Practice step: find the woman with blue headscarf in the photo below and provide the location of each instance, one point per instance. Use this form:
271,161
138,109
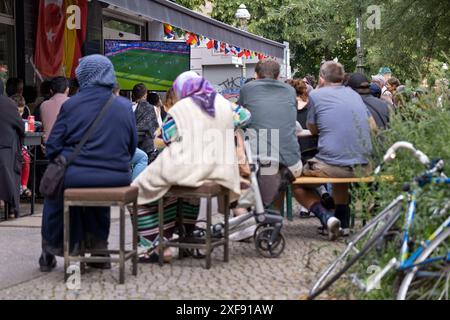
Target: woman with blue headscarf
104,161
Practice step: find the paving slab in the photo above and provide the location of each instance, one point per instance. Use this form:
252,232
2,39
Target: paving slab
246,276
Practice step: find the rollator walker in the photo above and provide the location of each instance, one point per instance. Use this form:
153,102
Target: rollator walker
268,239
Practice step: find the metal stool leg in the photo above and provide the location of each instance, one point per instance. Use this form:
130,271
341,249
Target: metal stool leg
135,238
66,240
122,246
83,254
289,203
208,232
226,246
161,230
181,227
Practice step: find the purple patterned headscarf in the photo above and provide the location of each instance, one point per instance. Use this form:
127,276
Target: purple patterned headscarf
190,84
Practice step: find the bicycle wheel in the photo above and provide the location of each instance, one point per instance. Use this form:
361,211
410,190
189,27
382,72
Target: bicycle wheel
431,281
366,239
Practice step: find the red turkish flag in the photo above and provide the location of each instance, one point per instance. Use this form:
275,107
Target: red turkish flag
50,37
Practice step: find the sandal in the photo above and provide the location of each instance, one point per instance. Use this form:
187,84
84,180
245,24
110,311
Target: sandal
154,257
149,252
27,193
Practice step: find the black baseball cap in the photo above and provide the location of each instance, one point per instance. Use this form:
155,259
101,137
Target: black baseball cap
359,82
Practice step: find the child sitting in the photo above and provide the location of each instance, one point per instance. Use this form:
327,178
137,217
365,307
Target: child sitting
25,176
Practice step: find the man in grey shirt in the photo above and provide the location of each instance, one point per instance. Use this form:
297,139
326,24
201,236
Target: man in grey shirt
273,106
339,116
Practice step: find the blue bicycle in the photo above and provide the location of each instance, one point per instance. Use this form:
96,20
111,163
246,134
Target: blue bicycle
427,269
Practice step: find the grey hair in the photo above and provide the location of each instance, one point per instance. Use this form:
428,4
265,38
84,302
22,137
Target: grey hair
332,72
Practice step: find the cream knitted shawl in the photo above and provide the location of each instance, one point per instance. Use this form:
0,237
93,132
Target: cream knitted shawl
204,152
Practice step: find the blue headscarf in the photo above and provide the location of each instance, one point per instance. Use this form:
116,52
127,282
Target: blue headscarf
95,70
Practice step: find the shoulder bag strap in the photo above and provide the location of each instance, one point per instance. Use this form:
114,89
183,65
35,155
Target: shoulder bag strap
91,129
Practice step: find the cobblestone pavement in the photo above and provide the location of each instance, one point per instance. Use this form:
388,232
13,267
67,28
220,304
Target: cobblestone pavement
246,276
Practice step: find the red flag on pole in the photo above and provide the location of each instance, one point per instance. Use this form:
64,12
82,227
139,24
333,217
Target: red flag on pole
61,33
50,37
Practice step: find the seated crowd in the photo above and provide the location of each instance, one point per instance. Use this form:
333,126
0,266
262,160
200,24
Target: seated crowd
189,139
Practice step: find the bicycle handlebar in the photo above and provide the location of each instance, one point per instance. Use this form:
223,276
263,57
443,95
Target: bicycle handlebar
391,153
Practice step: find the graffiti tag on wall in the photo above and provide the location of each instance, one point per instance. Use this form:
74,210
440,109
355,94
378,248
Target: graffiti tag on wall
231,87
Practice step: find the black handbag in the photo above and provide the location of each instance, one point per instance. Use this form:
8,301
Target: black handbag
52,182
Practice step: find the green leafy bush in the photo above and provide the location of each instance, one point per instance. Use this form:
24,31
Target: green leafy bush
425,122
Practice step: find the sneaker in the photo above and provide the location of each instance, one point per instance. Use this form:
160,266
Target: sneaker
345,232
47,262
304,214
333,226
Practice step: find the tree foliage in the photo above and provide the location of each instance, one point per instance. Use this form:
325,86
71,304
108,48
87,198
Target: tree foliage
416,121
313,28
191,4
412,34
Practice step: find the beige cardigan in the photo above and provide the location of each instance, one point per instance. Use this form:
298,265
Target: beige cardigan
204,152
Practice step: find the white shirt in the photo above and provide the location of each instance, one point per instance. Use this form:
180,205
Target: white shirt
158,116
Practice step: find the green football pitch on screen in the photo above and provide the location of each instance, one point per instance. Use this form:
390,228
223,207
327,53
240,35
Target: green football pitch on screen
157,70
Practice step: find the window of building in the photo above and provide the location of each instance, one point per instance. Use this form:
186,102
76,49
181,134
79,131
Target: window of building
7,7
6,51
124,28
7,39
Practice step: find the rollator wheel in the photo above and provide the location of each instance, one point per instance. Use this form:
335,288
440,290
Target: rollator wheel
259,229
263,246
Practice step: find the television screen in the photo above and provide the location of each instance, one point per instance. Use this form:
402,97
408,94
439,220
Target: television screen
154,63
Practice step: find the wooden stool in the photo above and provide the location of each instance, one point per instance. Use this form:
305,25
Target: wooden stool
102,197
208,191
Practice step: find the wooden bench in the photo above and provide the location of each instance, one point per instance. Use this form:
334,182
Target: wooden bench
315,180
321,181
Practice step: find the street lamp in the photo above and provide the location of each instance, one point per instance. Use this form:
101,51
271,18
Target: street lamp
243,16
360,67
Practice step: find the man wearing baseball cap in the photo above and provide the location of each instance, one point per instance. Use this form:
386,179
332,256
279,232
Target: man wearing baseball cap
378,108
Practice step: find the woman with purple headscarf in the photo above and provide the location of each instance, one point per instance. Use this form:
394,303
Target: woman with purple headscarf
198,140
